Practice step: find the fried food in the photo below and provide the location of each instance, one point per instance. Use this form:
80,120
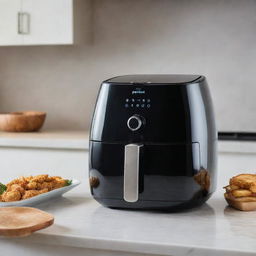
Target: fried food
27,187
246,181
30,193
39,178
11,196
47,185
241,191
31,185
17,187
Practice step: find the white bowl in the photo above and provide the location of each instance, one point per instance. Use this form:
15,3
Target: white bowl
42,197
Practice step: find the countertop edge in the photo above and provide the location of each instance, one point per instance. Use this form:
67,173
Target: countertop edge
76,144
52,139
128,246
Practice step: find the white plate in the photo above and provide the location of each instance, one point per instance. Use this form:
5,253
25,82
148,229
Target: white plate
43,197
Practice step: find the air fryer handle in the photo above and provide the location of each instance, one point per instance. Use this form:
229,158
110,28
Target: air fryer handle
131,172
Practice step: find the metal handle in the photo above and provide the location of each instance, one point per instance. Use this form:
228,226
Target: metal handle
131,172
19,22
23,23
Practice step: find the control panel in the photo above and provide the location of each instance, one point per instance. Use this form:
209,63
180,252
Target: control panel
137,103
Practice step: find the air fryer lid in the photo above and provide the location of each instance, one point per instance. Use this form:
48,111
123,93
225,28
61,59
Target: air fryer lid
154,79
145,108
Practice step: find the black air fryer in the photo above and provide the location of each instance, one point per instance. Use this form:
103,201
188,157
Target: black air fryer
153,142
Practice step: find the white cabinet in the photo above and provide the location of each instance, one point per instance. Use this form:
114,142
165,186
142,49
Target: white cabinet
43,22
50,21
9,10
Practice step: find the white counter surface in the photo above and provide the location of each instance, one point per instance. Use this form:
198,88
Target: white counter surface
61,139
213,229
237,146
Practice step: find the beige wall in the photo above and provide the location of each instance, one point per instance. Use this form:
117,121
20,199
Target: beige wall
213,38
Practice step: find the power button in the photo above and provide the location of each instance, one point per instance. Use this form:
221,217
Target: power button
135,122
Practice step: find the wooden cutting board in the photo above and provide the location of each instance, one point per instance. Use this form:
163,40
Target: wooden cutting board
23,221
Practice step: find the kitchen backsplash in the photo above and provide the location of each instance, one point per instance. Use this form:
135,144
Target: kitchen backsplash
214,38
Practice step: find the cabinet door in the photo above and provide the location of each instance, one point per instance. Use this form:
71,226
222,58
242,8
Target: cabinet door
9,34
50,21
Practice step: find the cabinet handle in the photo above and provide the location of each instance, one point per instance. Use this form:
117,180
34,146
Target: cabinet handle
23,23
19,22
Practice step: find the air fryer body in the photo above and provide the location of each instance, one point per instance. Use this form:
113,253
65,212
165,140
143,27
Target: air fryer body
153,142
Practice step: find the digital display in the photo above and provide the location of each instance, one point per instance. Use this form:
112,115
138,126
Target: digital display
137,103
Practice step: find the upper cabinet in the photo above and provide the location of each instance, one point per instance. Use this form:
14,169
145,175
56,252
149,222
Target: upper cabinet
9,34
47,21
44,22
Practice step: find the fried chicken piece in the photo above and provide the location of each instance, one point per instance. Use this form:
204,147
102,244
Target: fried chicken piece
33,192
45,190
20,181
59,183
245,181
30,193
32,185
11,196
53,178
48,185
17,187
57,178
29,178
40,178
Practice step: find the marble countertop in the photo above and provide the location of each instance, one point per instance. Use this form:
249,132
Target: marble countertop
213,229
